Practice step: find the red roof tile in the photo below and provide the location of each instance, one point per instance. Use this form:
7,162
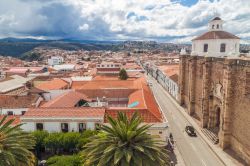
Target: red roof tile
7,101
170,70
53,84
64,112
68,99
216,35
145,114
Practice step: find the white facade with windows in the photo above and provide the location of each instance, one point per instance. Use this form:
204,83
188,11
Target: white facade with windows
55,60
53,125
12,111
216,42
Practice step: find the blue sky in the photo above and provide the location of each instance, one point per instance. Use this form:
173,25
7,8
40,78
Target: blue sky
187,2
161,20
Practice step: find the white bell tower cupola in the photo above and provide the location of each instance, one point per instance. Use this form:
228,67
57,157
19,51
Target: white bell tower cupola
216,24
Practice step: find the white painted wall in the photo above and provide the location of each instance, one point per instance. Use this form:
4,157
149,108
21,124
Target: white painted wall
232,47
54,93
56,60
28,126
16,111
56,126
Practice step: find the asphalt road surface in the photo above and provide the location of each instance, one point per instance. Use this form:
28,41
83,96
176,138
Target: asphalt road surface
194,151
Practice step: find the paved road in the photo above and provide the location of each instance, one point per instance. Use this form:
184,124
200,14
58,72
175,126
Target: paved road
194,151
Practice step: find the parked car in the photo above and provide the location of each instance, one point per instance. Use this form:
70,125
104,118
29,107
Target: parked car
190,131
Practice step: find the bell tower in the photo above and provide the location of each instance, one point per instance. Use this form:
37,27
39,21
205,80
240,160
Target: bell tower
216,24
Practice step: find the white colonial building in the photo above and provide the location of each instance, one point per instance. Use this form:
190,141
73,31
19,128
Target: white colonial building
62,120
108,68
216,42
55,60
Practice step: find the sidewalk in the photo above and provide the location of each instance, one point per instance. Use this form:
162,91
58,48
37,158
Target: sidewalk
223,156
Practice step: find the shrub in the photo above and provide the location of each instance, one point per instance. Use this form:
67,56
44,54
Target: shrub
70,140
123,74
54,142
39,137
73,160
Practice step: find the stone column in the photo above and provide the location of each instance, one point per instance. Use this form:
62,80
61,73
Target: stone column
192,78
181,80
224,133
206,86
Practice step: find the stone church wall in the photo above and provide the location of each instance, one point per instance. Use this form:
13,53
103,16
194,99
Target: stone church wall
207,83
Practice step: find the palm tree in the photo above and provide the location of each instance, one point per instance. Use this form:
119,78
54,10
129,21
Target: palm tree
125,143
15,145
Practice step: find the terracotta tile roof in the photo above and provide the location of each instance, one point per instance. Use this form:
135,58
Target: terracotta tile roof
170,70
9,117
104,77
7,101
109,84
108,93
216,35
68,99
145,114
54,84
174,77
108,69
150,101
131,66
138,97
80,112
135,90
24,69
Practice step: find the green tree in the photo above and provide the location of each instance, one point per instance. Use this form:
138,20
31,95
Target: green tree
123,74
86,137
39,137
54,142
125,143
73,160
70,141
15,145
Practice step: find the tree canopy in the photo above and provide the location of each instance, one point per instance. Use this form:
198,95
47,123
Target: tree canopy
15,145
125,142
123,74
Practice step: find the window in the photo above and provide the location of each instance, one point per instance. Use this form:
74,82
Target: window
23,112
10,112
39,126
97,126
82,127
64,127
223,47
205,47
212,26
218,26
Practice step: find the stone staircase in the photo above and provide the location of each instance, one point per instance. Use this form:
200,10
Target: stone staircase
211,135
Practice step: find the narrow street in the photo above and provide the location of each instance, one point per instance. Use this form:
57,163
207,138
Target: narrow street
194,151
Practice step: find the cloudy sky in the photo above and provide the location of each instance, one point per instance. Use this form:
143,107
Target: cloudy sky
160,20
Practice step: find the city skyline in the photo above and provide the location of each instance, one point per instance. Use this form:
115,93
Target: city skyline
162,20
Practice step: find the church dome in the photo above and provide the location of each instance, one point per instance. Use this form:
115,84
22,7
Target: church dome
216,18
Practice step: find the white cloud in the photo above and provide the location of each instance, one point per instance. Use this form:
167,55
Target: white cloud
84,27
121,19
